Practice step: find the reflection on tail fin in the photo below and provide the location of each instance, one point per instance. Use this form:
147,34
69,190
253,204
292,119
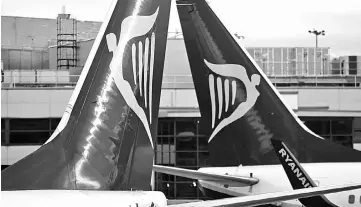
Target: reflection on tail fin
240,108
297,176
107,141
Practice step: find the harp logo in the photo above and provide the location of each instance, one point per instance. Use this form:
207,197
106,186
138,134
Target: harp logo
143,74
226,87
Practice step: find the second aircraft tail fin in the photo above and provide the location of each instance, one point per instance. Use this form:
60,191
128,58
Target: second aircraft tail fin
240,108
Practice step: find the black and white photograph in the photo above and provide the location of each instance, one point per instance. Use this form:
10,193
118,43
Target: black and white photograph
181,103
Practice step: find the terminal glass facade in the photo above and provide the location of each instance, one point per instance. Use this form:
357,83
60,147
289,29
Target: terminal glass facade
179,144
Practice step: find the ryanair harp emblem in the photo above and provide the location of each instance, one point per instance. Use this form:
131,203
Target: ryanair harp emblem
216,83
145,64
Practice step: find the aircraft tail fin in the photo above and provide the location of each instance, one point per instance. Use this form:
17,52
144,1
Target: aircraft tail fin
297,176
240,108
107,140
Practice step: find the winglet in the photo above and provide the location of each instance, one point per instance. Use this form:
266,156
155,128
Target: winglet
297,176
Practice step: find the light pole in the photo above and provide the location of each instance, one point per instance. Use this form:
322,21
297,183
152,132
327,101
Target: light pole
316,33
32,50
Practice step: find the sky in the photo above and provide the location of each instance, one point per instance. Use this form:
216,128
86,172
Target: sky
263,23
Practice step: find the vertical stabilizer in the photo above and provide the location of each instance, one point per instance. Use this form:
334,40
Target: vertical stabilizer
107,141
240,108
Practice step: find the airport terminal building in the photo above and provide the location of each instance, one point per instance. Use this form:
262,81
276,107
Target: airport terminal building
42,60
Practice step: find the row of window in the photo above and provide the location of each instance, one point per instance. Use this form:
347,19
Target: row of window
327,126
37,131
184,159
338,130
179,143
27,131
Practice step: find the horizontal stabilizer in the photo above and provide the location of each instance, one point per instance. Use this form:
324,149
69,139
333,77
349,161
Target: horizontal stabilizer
234,181
267,198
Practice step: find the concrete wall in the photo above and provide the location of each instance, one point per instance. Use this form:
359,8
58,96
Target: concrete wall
19,31
27,34
15,31
24,58
51,102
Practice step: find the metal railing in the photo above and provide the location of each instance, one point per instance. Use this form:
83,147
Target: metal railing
308,68
47,78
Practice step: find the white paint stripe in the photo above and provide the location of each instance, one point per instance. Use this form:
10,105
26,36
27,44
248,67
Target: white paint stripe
134,62
152,50
226,94
234,88
212,94
140,76
146,58
220,96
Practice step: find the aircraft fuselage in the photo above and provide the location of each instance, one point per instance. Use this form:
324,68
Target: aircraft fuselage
272,178
87,198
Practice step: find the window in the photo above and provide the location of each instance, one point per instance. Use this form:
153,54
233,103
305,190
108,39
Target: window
165,177
186,159
31,131
165,127
166,158
180,145
3,167
202,143
3,132
29,124
342,126
2,124
186,190
183,179
320,126
165,144
203,159
351,199
343,140
186,143
54,123
336,129
186,128
29,137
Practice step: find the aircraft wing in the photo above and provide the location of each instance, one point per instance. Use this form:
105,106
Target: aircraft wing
230,180
267,198
298,176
